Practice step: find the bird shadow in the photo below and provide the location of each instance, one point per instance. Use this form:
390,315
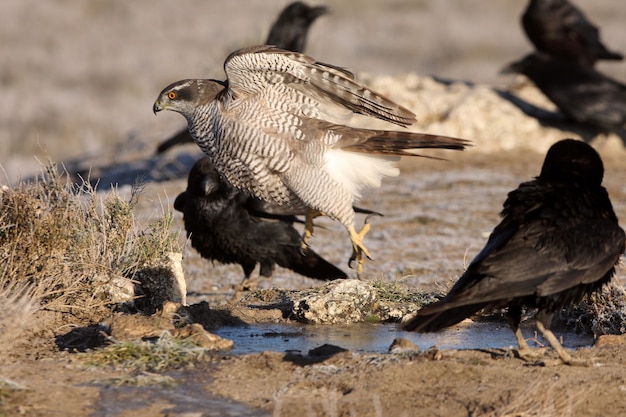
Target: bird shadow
211,318
144,170
129,163
281,301
556,120
314,356
84,339
450,81
546,118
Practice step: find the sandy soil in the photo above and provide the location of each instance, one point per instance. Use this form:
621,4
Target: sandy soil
432,383
455,383
80,80
445,383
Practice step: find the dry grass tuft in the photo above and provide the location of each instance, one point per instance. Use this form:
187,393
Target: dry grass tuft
141,379
16,316
539,400
601,313
145,356
63,245
396,292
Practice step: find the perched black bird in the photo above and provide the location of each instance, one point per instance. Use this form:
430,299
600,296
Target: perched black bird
227,226
560,29
581,93
558,240
288,32
292,26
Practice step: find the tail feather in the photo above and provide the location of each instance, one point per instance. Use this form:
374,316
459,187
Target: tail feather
391,142
180,138
312,265
425,322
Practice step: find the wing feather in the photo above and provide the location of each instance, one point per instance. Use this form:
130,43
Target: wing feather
251,70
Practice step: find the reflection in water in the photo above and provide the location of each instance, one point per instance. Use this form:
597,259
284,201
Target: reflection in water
376,338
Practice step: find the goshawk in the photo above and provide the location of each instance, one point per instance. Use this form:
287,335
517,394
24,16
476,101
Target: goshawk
277,129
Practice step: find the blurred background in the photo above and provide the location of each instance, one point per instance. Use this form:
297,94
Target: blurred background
79,77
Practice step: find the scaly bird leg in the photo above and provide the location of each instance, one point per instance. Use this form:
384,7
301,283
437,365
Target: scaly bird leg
515,318
358,249
308,226
524,351
566,358
521,342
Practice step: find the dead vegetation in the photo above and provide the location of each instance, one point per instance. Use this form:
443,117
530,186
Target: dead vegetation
601,313
167,352
393,291
538,400
66,248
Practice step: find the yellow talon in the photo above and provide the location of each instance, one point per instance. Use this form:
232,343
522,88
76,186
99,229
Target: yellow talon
308,226
358,248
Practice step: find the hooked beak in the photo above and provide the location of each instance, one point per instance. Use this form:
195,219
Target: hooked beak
320,11
512,68
156,107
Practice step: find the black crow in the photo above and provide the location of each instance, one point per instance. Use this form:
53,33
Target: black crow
558,240
292,26
227,226
288,32
581,93
560,29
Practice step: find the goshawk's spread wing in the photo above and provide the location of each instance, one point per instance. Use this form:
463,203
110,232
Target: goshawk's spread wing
312,89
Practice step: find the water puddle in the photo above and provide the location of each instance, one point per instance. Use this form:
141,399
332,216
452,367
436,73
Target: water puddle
376,338
187,396
184,398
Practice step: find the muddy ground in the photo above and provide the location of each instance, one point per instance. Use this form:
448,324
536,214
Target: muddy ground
469,189
79,84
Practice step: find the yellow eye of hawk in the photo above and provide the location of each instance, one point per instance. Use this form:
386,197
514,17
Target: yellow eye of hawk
172,95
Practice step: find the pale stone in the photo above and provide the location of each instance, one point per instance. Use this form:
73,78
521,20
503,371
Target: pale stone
341,301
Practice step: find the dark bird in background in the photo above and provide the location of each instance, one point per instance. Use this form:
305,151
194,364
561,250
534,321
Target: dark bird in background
279,129
558,240
561,30
288,32
292,26
227,226
581,93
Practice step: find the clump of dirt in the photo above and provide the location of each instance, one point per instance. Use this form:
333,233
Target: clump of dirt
431,383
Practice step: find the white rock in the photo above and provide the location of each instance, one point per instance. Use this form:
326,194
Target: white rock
341,301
